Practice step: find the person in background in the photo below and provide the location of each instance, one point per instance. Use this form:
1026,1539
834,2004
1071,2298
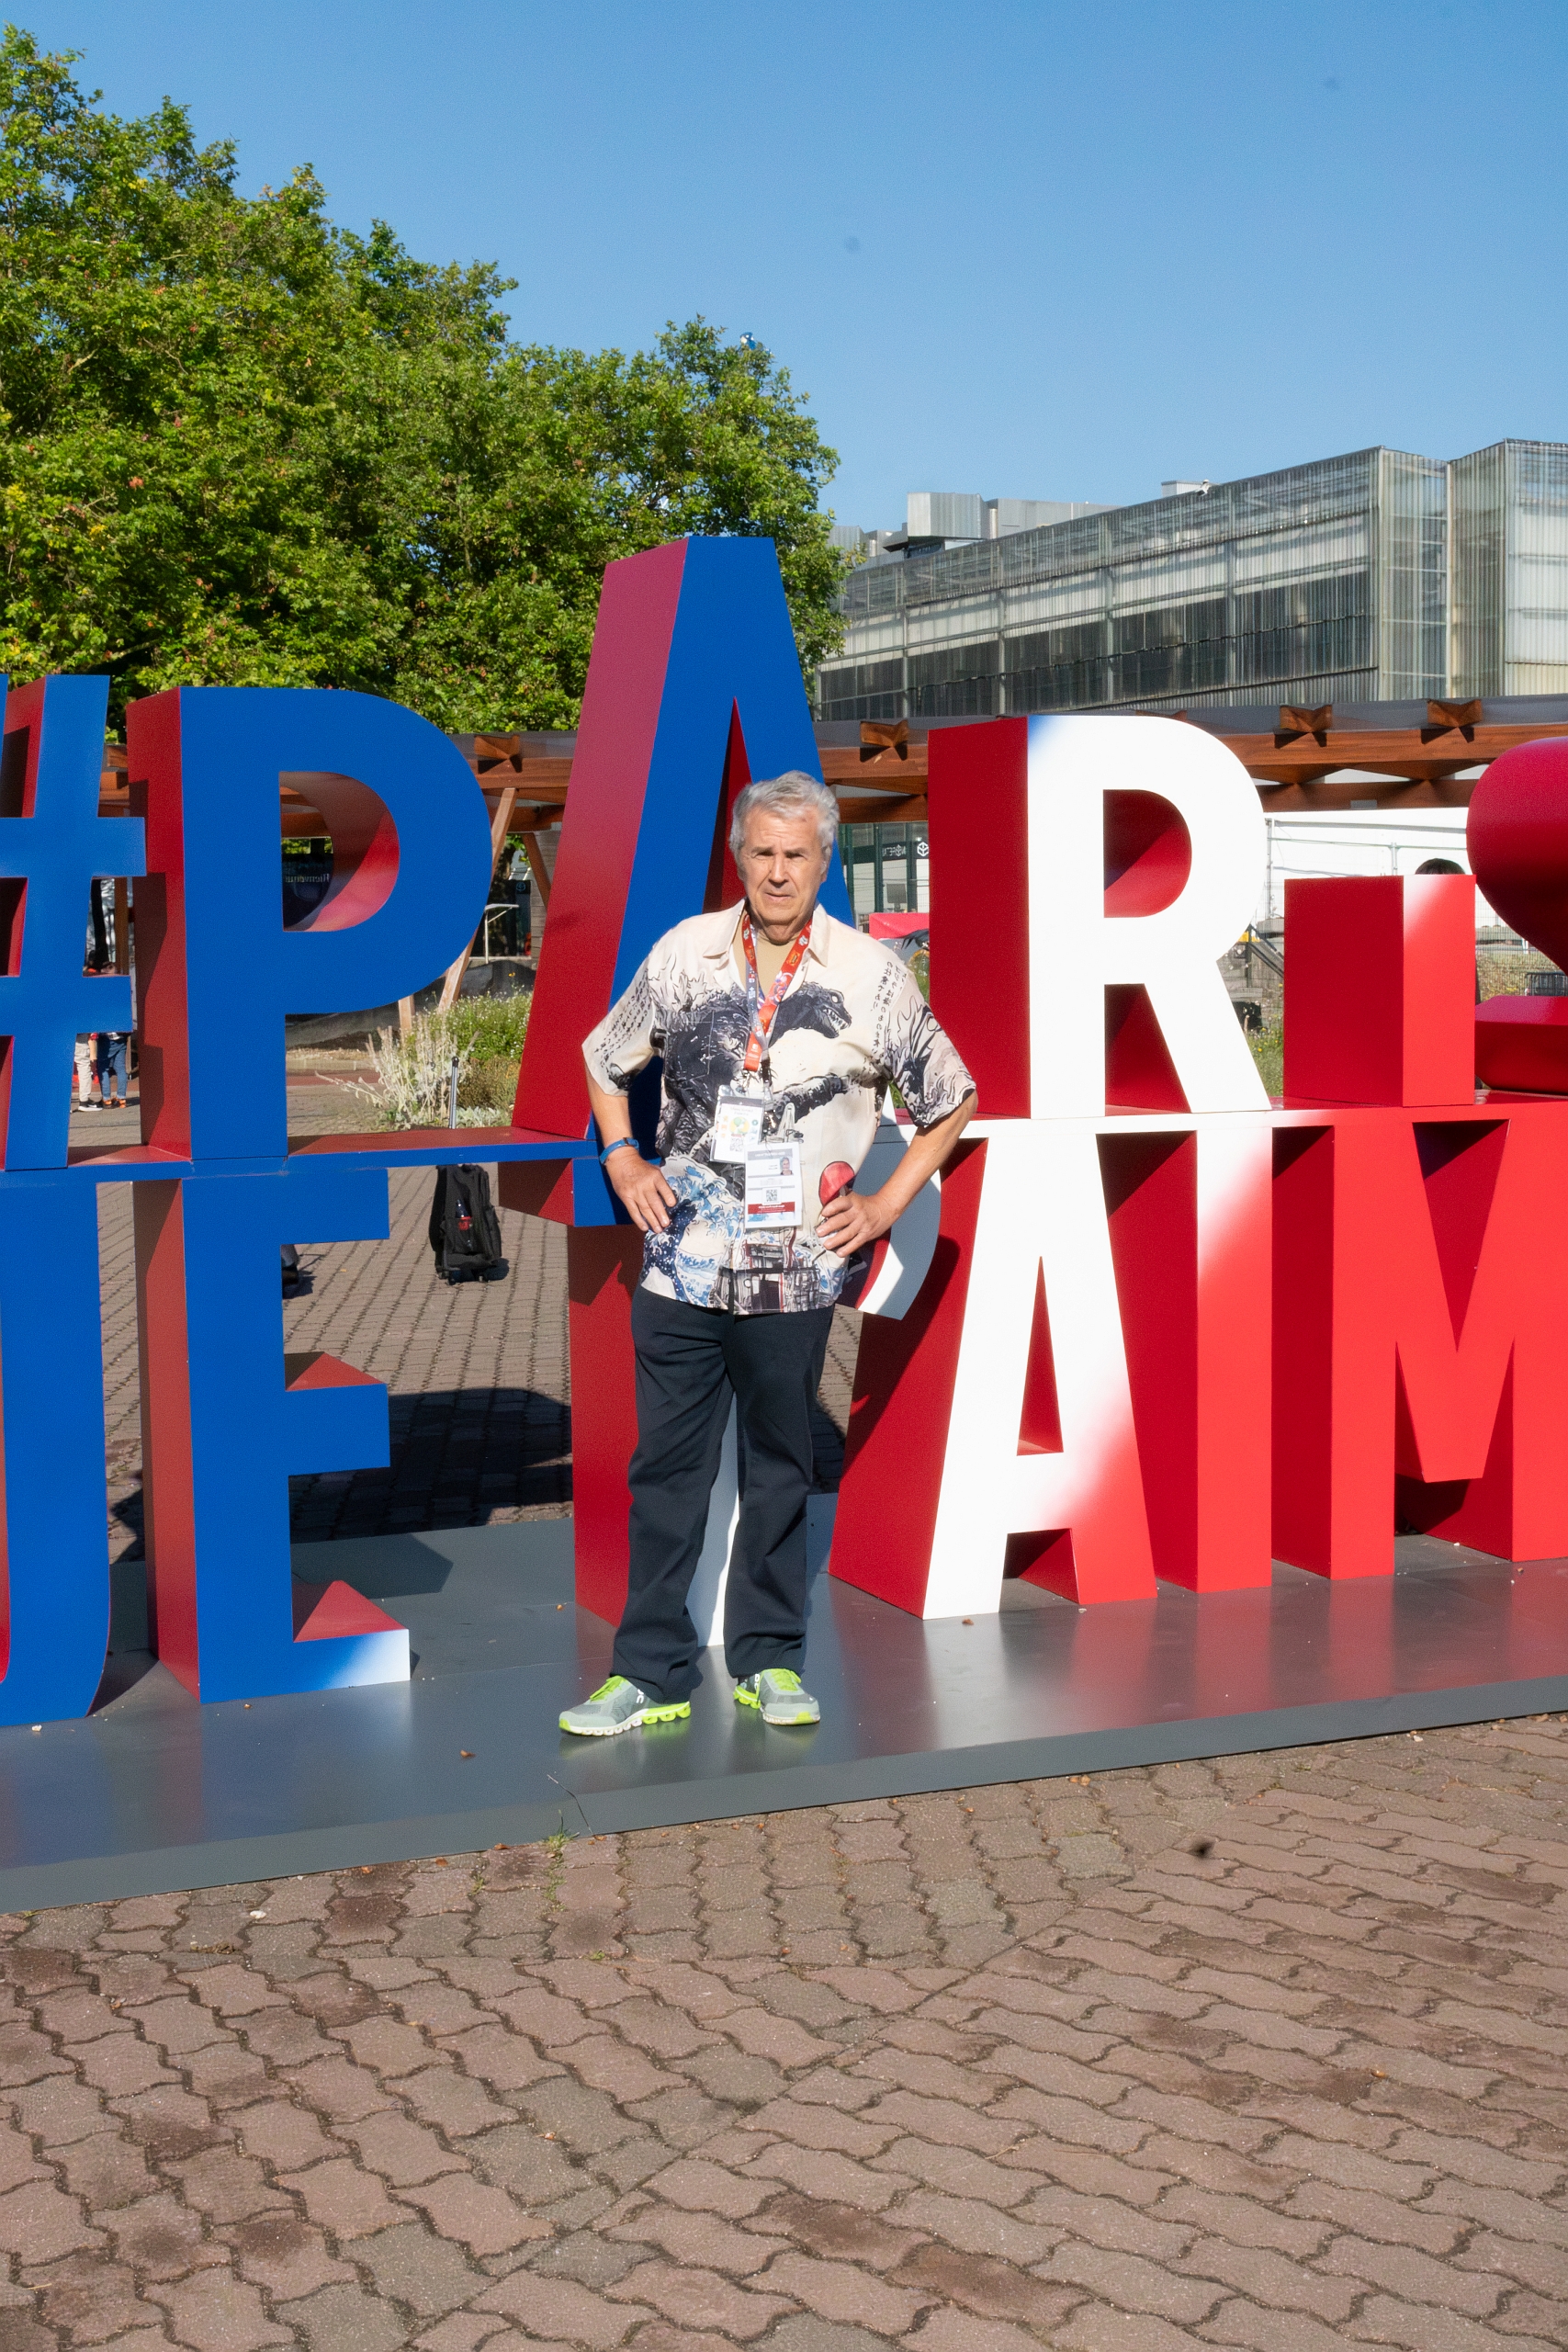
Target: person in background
113,1057
86,1048
87,1059
113,1046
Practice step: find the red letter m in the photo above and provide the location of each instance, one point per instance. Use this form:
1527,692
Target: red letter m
1420,1365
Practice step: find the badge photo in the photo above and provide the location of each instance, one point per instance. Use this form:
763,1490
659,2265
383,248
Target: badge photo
773,1187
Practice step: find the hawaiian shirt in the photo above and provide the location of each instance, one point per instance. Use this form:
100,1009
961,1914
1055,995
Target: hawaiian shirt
851,1021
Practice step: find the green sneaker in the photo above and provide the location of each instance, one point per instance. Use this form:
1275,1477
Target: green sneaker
781,1695
619,1705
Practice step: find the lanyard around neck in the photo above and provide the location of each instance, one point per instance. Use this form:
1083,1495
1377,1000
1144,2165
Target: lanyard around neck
762,1009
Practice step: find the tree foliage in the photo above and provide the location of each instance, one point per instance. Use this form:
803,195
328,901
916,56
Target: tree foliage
241,446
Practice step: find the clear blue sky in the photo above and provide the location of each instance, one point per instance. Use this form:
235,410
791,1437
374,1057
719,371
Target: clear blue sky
1043,250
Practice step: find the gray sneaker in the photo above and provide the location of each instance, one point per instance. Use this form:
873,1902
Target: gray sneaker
780,1694
619,1705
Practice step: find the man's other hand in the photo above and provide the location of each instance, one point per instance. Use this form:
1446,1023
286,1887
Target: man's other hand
850,1220
642,1189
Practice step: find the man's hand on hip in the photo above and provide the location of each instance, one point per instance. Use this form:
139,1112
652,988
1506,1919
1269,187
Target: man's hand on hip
852,1219
642,1189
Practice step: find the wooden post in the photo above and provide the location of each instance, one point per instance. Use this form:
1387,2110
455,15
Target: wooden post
498,824
540,874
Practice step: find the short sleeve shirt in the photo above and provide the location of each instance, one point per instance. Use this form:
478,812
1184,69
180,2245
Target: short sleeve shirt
851,1023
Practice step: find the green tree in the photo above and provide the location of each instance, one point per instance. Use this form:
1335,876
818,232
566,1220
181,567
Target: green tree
241,446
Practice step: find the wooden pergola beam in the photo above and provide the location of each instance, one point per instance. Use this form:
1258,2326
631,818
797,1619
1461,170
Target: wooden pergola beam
1305,762
883,808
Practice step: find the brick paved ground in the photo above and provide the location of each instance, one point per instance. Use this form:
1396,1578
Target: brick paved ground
1268,2053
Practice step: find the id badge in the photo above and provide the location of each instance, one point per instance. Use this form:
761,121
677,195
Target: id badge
737,1126
772,1187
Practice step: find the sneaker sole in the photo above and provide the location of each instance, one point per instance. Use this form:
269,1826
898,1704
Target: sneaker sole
744,1698
632,1722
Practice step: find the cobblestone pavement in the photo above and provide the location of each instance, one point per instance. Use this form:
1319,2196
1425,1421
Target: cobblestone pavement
1268,2053
477,1372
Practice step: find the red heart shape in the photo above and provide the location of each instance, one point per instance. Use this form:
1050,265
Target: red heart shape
1518,839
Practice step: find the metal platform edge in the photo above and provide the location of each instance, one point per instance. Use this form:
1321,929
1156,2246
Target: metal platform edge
176,1870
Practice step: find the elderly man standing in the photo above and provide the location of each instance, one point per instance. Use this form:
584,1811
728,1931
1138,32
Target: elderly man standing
780,1030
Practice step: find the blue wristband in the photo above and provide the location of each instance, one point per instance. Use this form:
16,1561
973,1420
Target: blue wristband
616,1146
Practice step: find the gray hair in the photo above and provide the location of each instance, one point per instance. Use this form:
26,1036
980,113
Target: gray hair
792,794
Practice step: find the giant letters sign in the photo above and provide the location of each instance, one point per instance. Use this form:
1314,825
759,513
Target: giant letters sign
1147,1326
1159,1327
226,1415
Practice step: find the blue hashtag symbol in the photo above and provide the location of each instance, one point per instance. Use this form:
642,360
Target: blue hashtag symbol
53,846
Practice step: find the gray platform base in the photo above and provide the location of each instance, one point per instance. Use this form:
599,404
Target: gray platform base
153,1793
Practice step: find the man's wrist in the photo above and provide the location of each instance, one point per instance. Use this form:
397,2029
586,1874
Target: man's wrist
618,1143
880,1216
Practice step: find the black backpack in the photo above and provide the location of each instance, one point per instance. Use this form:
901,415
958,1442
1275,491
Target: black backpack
465,1232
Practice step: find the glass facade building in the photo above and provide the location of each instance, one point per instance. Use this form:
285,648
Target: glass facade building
1381,576
1509,526
886,869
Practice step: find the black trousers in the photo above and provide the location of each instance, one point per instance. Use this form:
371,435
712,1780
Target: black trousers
690,1361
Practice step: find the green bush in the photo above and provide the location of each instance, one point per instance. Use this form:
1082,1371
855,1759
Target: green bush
1268,1052
489,1084
413,1072
491,1028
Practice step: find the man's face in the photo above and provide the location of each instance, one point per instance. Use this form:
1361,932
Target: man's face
783,865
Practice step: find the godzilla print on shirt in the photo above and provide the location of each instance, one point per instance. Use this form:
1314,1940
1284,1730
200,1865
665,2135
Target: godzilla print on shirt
851,1023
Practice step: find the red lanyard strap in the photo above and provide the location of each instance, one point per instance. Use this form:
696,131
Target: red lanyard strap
763,1014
